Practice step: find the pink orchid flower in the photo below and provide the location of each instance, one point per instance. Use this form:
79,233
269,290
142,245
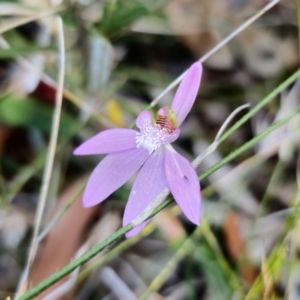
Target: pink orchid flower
150,151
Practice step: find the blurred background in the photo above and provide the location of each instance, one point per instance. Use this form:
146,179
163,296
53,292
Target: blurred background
120,55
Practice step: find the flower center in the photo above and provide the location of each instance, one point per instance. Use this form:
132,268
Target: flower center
152,136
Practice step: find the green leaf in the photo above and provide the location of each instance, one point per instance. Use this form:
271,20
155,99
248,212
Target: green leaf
217,282
31,113
119,15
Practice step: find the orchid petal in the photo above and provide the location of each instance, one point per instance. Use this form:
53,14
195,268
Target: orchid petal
187,92
173,136
149,183
144,119
108,141
111,173
183,183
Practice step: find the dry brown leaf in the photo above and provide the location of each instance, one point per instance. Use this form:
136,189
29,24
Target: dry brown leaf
234,239
64,239
236,246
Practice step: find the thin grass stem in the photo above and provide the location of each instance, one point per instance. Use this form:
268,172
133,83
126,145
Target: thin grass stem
49,161
215,49
11,24
197,161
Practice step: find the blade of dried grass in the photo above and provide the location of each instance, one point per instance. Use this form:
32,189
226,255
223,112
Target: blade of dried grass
13,23
49,161
197,161
267,279
216,48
